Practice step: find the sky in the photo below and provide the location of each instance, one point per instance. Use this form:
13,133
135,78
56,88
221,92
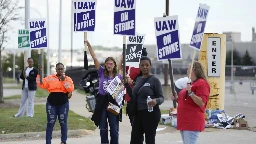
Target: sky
224,15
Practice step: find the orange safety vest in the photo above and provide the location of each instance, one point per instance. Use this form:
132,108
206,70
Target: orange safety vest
53,84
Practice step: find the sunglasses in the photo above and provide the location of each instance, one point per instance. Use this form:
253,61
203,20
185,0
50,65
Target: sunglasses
109,64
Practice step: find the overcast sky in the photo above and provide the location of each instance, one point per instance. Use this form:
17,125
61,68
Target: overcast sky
224,15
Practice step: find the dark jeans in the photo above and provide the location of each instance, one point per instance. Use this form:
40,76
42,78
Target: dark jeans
52,113
145,122
114,127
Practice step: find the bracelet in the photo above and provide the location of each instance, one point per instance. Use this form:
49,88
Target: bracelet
191,94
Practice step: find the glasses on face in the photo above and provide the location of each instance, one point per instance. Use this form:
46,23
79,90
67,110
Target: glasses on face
60,69
109,64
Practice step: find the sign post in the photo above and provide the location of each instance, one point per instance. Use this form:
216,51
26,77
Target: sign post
198,31
84,12
124,23
38,38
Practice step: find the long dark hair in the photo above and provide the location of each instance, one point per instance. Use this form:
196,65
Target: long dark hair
106,73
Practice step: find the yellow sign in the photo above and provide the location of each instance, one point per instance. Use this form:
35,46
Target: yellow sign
214,68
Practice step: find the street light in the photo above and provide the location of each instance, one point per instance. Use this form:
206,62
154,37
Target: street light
60,32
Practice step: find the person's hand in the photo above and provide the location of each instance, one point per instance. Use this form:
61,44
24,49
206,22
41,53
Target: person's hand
40,68
174,95
188,88
24,73
128,79
70,95
88,43
62,77
152,103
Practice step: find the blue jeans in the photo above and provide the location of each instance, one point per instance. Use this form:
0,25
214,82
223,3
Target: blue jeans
114,127
52,113
189,137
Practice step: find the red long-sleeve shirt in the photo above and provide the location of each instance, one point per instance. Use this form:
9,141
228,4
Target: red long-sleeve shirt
190,116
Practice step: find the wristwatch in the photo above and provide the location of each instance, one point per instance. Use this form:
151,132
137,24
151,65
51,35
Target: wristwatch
191,94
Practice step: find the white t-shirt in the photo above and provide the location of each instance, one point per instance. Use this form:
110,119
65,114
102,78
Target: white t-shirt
27,74
182,83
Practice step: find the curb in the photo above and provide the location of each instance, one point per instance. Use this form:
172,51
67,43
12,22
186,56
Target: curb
28,135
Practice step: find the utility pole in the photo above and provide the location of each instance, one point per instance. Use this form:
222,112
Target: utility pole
27,53
48,40
71,38
60,32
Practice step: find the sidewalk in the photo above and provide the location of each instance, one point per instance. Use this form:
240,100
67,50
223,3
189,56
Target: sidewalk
11,92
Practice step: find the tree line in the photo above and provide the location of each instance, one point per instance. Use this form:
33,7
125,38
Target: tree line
238,59
7,61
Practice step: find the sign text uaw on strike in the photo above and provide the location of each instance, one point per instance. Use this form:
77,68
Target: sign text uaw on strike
124,17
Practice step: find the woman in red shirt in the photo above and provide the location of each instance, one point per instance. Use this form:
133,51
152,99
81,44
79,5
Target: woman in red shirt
192,102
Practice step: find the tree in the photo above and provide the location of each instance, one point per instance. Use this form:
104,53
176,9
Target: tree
8,14
236,58
19,61
247,59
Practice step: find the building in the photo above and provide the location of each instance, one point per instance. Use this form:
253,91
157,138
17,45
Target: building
235,36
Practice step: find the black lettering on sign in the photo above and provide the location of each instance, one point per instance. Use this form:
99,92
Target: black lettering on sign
213,43
133,52
213,63
214,49
214,70
136,39
214,56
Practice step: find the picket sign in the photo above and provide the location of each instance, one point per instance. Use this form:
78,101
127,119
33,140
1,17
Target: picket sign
38,38
167,38
198,32
134,50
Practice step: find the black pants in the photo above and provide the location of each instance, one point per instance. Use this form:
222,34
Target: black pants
145,122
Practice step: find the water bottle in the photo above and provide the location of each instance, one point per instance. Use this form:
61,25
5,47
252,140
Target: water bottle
150,109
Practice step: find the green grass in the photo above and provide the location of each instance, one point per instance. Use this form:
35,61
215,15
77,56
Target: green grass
12,97
8,80
38,123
